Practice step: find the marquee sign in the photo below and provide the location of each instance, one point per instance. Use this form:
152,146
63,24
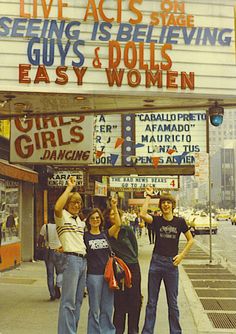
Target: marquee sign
155,46
128,183
173,138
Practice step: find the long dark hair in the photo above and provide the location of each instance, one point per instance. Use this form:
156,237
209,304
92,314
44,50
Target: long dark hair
94,210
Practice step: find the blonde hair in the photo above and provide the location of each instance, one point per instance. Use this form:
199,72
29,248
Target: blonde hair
75,196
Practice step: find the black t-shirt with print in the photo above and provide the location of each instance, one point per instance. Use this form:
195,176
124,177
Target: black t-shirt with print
167,234
97,252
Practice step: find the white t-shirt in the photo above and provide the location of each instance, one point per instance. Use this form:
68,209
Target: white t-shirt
53,240
71,233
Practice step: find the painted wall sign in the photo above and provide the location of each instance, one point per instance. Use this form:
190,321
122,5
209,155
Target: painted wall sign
59,179
127,183
166,45
55,140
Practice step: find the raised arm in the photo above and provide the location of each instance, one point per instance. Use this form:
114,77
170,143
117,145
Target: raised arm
60,203
143,212
115,228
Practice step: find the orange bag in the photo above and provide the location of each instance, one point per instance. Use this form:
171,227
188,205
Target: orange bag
109,274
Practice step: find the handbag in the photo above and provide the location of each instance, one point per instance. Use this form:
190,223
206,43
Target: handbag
117,273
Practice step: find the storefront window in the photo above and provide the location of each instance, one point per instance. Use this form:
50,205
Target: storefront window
9,211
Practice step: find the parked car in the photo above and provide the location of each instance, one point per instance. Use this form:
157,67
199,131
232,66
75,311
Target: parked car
201,224
233,219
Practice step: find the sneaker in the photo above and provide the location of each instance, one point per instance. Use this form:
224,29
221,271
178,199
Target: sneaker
57,292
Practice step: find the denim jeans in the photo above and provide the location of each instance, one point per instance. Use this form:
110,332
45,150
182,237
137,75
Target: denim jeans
54,262
73,285
162,268
101,301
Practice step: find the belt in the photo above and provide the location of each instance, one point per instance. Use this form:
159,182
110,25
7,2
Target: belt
75,254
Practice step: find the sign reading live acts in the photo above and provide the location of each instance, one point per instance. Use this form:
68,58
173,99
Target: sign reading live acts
55,140
125,41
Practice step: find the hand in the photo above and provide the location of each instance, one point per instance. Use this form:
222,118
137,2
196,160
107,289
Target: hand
114,202
71,182
60,250
177,259
149,190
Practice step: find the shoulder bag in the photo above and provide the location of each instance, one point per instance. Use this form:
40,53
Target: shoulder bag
116,273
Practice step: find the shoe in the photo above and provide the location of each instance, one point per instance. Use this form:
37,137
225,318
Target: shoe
57,292
52,299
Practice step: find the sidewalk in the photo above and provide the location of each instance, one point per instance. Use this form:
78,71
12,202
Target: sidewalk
25,307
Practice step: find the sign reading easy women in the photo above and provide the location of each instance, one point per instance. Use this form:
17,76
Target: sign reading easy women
151,45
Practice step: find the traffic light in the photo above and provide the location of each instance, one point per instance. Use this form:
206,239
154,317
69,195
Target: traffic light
216,114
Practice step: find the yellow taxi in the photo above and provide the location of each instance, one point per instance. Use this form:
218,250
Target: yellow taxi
201,224
224,215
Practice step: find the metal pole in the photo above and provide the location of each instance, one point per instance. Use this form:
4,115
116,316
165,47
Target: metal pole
210,206
209,190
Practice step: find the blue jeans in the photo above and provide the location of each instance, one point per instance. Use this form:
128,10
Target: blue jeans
73,285
54,262
101,301
162,268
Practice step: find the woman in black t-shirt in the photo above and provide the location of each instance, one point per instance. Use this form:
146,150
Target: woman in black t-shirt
101,297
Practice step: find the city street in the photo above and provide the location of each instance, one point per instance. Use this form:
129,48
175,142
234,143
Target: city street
223,243
26,309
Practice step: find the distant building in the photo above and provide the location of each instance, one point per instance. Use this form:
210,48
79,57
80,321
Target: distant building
223,177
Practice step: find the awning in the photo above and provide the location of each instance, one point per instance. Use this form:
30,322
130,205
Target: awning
18,172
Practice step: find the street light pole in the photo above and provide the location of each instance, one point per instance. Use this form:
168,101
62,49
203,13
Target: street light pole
209,190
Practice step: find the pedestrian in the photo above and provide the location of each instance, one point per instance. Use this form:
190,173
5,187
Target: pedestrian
54,259
165,259
70,230
11,223
126,300
151,232
101,297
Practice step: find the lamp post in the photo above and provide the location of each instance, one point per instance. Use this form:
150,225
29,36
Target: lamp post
215,114
209,190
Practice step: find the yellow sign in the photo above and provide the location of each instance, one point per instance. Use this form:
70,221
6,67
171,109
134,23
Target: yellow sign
5,129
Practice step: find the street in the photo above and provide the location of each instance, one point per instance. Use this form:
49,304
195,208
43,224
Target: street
223,243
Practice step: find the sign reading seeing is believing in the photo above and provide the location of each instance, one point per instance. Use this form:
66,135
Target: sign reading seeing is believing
57,140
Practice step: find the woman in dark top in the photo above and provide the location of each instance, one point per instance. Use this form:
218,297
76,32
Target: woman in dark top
127,300
101,298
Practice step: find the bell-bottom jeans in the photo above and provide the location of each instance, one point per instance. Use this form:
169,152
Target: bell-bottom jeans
73,285
101,304
162,268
